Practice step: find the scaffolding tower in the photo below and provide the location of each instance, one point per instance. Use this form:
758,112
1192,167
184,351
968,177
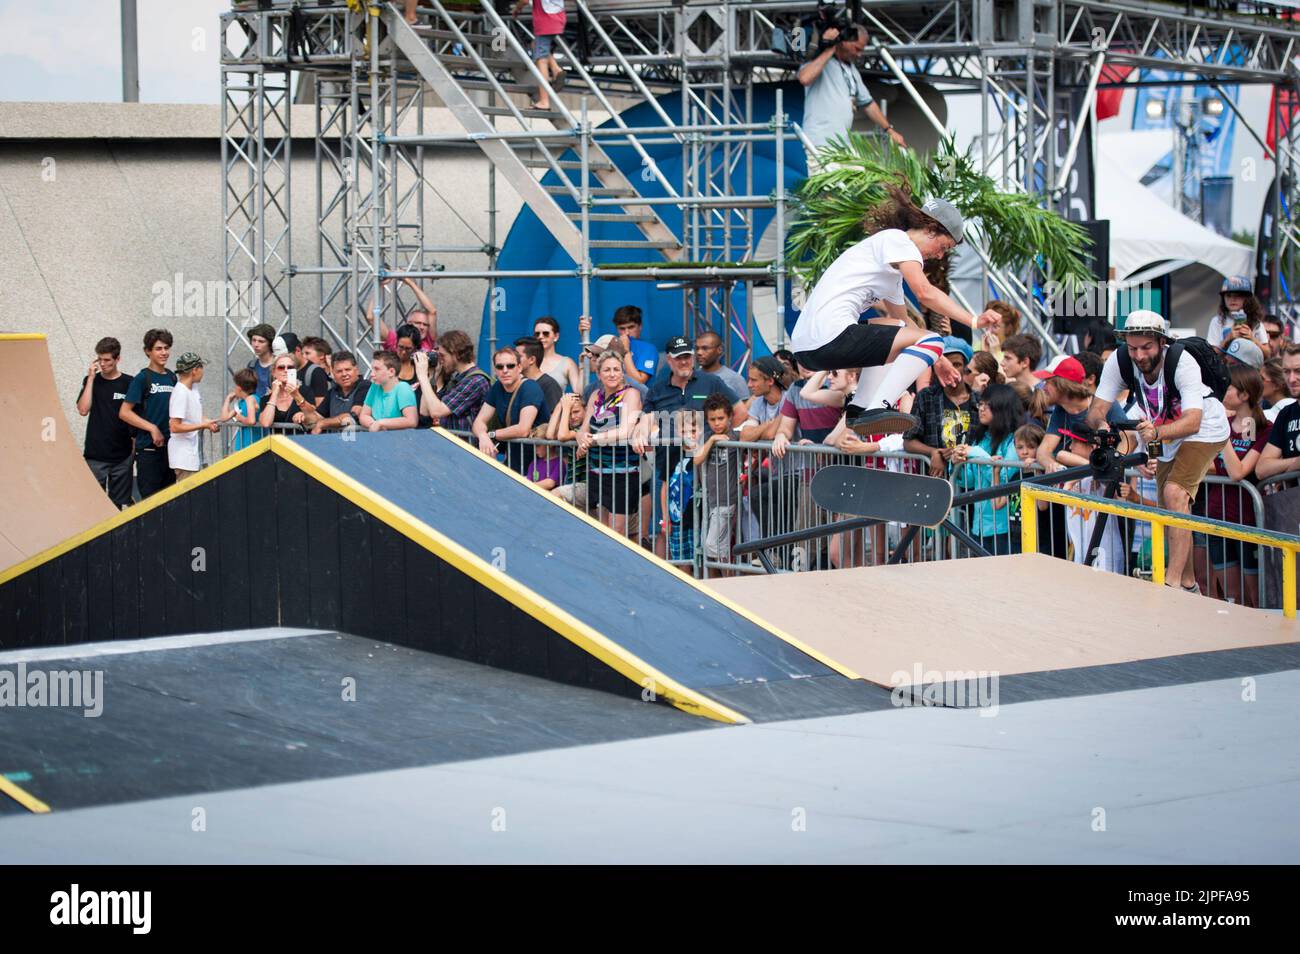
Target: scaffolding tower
1035,65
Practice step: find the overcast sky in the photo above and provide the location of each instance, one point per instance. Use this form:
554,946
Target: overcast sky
71,50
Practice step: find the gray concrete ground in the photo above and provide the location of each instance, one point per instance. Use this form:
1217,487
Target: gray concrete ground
1185,774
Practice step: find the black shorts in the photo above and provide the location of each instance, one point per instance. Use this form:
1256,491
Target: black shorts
617,493
858,346
1225,554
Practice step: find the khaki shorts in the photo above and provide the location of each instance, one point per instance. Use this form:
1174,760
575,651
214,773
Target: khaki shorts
1188,468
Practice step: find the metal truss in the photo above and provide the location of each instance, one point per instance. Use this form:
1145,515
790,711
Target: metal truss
255,157
1036,64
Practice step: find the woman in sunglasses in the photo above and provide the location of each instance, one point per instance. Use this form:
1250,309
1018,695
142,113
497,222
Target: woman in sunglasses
560,367
285,404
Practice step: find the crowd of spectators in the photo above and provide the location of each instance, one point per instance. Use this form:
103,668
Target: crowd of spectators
629,434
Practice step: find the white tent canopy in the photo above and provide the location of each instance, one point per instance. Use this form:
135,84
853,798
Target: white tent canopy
1143,229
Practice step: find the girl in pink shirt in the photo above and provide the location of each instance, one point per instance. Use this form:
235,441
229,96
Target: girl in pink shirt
548,23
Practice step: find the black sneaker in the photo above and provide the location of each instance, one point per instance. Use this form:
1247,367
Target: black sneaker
882,420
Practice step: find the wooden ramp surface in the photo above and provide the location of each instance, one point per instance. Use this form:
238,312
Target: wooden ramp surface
47,492
1014,614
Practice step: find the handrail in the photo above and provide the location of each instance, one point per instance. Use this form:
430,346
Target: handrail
1160,520
398,22
618,121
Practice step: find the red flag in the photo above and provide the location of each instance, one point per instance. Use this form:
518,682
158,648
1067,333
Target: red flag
1280,114
1108,100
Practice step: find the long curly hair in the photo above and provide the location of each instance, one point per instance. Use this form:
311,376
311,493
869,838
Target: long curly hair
1253,309
899,212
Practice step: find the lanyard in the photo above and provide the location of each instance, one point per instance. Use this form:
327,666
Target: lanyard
847,73
1157,410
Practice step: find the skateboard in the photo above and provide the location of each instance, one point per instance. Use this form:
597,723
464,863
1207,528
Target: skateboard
882,494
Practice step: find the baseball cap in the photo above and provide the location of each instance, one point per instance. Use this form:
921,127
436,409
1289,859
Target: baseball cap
603,343
188,362
1144,322
278,347
1237,283
1062,366
954,345
678,346
1244,351
946,214
770,366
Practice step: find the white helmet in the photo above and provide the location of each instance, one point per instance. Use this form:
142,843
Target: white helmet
1144,322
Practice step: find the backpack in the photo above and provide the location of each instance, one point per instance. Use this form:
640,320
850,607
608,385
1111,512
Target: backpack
1214,373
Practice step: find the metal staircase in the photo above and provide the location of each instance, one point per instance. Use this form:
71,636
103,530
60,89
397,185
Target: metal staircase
467,57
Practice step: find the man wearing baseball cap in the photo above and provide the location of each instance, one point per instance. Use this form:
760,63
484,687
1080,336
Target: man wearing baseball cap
683,389
186,413
1179,411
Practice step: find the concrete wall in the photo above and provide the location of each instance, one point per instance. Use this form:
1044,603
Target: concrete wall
94,213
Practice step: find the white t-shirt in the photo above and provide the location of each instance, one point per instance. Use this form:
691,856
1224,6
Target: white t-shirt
183,449
861,277
1271,413
1220,326
1192,391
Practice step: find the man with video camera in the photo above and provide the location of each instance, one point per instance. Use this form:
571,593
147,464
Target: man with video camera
1184,425
833,87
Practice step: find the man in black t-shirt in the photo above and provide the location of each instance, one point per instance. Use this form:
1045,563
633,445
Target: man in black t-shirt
1281,455
147,408
345,397
108,437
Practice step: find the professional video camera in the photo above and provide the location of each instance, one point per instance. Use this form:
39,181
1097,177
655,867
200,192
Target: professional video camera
830,16
1105,459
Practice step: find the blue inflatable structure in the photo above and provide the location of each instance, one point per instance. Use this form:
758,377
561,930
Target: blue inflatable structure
530,246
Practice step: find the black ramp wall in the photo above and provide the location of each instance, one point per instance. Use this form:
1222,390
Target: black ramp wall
414,538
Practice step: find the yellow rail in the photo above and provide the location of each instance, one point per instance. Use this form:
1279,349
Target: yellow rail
1160,520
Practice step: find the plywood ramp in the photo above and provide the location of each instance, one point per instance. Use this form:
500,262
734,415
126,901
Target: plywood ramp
47,492
1015,614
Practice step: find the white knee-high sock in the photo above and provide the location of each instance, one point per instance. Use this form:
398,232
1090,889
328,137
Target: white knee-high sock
907,367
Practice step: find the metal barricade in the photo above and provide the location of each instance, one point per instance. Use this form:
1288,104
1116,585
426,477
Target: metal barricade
753,494
769,495
994,523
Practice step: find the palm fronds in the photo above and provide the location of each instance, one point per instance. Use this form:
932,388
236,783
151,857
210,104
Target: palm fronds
1014,228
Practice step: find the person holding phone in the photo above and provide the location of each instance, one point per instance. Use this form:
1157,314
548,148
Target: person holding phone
1240,314
108,449
285,404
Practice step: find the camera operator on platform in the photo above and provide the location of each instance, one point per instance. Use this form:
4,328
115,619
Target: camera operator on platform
833,88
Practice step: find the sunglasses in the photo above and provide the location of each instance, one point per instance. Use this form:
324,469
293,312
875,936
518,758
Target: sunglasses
543,334
283,367
506,367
